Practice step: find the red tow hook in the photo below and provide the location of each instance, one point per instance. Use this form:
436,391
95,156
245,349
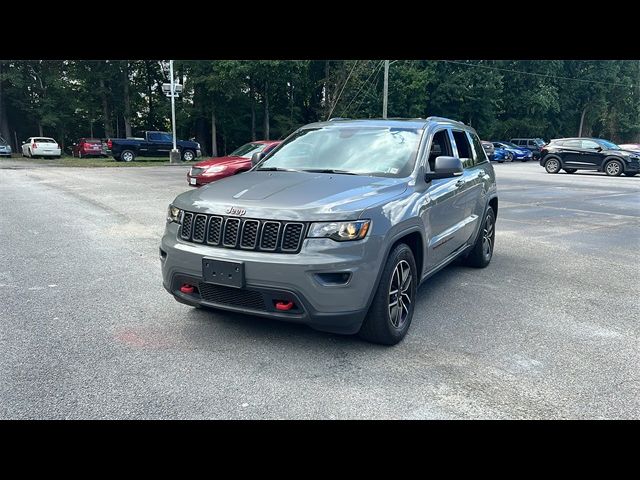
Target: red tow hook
186,288
282,305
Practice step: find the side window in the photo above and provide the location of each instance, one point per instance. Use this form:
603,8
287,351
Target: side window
440,145
464,149
154,137
515,141
531,143
589,144
166,137
479,154
573,144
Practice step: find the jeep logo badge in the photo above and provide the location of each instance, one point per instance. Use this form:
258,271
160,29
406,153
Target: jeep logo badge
236,211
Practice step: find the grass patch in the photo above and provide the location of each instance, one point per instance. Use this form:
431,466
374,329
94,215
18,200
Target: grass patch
96,162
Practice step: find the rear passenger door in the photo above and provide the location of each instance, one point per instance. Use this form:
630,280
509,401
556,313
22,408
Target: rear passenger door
571,154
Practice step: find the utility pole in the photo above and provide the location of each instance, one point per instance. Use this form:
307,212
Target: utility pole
386,89
174,156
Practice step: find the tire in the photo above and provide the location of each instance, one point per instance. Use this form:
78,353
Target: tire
571,170
613,168
188,155
383,324
482,251
500,161
127,156
630,174
552,165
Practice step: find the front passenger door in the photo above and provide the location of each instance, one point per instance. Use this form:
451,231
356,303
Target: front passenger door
591,156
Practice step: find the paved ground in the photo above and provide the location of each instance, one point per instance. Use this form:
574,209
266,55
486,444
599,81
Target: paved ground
549,330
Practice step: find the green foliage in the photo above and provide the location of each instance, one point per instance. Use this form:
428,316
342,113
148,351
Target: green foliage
501,99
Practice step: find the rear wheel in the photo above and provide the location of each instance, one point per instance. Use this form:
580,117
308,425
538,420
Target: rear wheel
127,156
571,170
613,168
188,155
482,252
391,311
552,165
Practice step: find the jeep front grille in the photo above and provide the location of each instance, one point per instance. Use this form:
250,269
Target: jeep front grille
243,233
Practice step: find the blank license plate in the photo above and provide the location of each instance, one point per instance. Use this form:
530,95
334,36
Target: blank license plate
223,272
192,181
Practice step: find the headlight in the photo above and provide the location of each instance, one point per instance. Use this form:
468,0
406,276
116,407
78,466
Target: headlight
216,168
340,231
174,214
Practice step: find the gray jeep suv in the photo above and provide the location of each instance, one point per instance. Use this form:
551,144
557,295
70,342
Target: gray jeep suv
337,226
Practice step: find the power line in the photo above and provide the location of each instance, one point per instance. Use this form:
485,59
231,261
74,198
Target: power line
374,70
373,83
536,74
344,85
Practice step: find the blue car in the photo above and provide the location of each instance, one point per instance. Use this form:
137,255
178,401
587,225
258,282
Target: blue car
501,155
522,154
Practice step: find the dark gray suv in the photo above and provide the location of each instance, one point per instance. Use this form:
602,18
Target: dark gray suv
337,226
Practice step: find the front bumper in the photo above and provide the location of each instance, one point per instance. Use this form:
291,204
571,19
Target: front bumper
205,178
330,306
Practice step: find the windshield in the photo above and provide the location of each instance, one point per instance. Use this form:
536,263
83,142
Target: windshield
609,145
378,151
511,145
2,140
248,149
44,140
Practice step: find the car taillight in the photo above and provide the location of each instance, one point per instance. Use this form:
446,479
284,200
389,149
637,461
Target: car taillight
34,145
109,143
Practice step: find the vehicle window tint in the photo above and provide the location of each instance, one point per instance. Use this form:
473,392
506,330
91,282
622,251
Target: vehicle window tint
572,144
166,137
440,145
479,155
44,140
590,144
154,137
464,149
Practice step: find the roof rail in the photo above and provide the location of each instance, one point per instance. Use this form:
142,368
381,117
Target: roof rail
443,119
338,118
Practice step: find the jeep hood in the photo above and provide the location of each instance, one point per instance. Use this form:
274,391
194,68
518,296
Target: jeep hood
292,195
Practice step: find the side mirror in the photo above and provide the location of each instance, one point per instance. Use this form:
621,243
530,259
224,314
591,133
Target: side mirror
446,167
598,149
255,158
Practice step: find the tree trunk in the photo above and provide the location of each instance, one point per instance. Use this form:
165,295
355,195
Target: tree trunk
5,131
327,97
108,128
584,110
149,94
127,100
201,122
41,132
266,110
253,110
214,146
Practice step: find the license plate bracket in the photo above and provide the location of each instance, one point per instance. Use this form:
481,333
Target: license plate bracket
229,273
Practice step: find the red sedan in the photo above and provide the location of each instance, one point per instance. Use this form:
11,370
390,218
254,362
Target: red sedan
87,147
238,161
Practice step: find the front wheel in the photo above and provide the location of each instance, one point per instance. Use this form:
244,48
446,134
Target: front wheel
613,168
391,311
188,155
552,165
482,252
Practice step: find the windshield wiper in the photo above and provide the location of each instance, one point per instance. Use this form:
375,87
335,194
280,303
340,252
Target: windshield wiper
276,169
329,170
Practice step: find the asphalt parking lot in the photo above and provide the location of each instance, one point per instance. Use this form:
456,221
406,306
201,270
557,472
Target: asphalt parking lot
549,330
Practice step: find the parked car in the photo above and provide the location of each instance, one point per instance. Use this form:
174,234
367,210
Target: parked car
488,148
501,155
5,148
533,144
573,154
154,144
41,147
87,147
238,161
517,153
631,147
337,226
